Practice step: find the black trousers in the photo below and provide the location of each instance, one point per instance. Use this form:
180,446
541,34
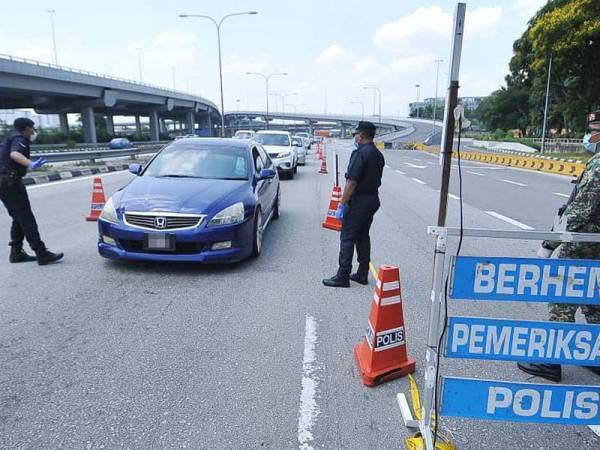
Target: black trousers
17,204
356,224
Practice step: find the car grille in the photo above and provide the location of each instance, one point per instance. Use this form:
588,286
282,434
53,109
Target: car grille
181,248
163,221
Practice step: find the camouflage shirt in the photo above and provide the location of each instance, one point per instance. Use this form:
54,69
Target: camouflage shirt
583,213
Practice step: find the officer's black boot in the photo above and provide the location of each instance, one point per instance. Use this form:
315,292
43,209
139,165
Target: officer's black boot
550,372
361,276
336,281
44,256
17,254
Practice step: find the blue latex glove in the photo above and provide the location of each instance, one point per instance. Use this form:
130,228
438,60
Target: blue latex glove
341,209
33,165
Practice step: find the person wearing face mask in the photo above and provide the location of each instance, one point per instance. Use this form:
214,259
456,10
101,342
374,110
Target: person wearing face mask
14,163
580,214
360,202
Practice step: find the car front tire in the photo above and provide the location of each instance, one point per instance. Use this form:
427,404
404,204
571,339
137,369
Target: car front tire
257,234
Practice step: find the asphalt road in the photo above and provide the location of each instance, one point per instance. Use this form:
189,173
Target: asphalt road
103,354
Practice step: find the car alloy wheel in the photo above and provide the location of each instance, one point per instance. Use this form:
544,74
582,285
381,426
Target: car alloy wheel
258,234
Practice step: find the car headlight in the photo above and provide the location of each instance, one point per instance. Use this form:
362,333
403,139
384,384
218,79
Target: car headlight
109,213
231,214
283,155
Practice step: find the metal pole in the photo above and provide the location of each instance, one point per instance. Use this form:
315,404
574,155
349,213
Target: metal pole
337,171
173,75
437,76
418,86
139,50
51,12
546,105
267,116
221,79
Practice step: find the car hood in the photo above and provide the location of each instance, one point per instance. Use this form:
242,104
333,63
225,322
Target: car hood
182,195
275,149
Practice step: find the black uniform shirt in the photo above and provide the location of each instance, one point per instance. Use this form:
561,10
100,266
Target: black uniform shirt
14,143
366,168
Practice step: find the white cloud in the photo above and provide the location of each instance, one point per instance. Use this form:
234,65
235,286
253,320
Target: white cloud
432,20
331,54
365,65
411,63
240,64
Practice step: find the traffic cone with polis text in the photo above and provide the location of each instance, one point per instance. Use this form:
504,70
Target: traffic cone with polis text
98,200
332,222
382,354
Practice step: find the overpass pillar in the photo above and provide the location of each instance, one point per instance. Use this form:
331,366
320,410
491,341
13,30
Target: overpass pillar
110,124
89,125
64,123
154,126
209,125
343,131
163,126
190,122
138,126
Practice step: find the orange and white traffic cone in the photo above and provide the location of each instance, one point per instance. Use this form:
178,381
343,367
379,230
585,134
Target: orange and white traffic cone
332,222
98,200
382,355
323,166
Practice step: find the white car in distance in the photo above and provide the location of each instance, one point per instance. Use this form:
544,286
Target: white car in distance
278,144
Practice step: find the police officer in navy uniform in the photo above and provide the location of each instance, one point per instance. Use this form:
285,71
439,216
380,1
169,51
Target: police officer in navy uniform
360,202
14,162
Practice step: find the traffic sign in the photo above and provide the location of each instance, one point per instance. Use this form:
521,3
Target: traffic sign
573,281
520,402
522,340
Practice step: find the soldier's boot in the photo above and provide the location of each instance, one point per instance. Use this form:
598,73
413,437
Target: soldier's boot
550,372
17,254
44,256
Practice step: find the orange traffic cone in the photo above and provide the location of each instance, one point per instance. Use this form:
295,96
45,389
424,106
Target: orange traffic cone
98,200
382,356
332,222
323,166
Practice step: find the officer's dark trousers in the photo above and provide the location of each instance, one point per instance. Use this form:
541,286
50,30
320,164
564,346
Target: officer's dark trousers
355,232
17,204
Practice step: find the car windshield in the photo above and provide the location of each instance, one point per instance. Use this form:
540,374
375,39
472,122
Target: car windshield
296,141
186,160
273,139
243,135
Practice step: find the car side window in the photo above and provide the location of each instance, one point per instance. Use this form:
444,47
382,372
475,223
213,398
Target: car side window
258,161
265,157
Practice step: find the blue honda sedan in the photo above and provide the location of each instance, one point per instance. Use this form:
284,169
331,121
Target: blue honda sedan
200,199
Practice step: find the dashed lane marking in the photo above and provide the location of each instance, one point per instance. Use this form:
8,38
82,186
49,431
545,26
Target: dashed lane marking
309,410
387,167
453,197
516,183
560,194
415,166
476,173
514,222
418,181
399,171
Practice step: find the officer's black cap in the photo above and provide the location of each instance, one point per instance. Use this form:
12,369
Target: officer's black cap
23,122
365,126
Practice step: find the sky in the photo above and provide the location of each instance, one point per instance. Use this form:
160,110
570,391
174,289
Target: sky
330,49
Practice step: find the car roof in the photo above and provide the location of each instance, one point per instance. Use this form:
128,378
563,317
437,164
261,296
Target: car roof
214,142
287,133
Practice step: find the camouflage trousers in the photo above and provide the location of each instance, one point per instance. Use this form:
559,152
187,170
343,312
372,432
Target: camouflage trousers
564,312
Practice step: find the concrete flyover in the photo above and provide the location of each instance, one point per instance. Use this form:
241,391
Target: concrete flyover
394,127
59,90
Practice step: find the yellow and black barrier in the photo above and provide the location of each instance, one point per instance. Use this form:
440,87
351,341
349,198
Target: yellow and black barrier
573,169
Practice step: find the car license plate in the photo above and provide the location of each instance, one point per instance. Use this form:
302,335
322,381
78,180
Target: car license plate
160,242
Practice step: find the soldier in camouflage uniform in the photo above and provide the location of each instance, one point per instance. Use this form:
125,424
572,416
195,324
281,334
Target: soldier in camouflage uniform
582,214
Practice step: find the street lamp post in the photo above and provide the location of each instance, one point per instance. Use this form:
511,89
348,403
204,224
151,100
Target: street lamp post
437,76
173,76
218,26
543,149
139,52
267,78
362,108
375,88
418,86
51,12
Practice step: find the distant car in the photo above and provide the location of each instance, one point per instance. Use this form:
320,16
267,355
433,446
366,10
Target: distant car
119,143
197,200
278,145
299,143
306,137
244,134
185,136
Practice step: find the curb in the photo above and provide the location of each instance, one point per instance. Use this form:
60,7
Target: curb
65,175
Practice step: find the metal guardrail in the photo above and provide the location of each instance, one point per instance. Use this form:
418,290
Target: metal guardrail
49,151
91,155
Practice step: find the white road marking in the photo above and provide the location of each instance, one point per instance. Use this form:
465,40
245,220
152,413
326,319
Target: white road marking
309,410
414,166
514,222
387,167
453,197
516,183
419,181
74,180
560,194
399,171
595,429
476,173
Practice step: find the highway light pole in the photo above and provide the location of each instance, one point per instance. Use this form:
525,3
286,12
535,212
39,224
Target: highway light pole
51,12
362,108
267,78
375,88
418,86
173,76
218,26
546,105
437,76
139,52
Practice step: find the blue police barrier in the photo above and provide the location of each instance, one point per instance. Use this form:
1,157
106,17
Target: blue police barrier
520,402
572,281
521,340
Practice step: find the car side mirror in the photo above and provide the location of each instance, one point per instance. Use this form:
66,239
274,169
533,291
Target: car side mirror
135,169
266,174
